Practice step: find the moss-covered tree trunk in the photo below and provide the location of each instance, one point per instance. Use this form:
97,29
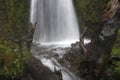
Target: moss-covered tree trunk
96,60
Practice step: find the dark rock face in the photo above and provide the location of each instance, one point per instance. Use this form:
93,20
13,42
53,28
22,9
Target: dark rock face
36,71
67,57
2,77
72,58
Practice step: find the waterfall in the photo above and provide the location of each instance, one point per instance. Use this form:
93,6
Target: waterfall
56,21
56,25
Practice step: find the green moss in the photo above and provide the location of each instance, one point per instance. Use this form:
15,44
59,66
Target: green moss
117,69
116,47
11,62
89,11
14,15
116,51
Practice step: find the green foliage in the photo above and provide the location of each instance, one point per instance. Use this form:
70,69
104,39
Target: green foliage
116,51
116,48
14,21
89,12
14,15
117,69
17,68
10,62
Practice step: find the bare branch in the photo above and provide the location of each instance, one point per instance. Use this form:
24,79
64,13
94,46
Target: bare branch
82,41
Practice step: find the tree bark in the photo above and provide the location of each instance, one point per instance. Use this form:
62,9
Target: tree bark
95,61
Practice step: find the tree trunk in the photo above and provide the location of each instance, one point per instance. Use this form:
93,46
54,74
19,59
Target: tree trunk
95,61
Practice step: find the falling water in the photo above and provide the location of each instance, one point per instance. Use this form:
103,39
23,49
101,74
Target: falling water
56,24
56,21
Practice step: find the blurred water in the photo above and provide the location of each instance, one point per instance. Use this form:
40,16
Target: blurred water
56,21
56,27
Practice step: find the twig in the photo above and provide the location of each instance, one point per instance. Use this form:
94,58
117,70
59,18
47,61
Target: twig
82,41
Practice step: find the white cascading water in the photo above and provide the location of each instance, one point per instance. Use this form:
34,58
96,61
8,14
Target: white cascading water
56,25
56,21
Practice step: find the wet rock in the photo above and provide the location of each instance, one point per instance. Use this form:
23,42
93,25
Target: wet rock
35,70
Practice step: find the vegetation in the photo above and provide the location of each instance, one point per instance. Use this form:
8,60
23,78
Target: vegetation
116,51
89,15
13,28
14,18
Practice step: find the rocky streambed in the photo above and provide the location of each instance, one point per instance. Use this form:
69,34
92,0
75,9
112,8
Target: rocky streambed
55,62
